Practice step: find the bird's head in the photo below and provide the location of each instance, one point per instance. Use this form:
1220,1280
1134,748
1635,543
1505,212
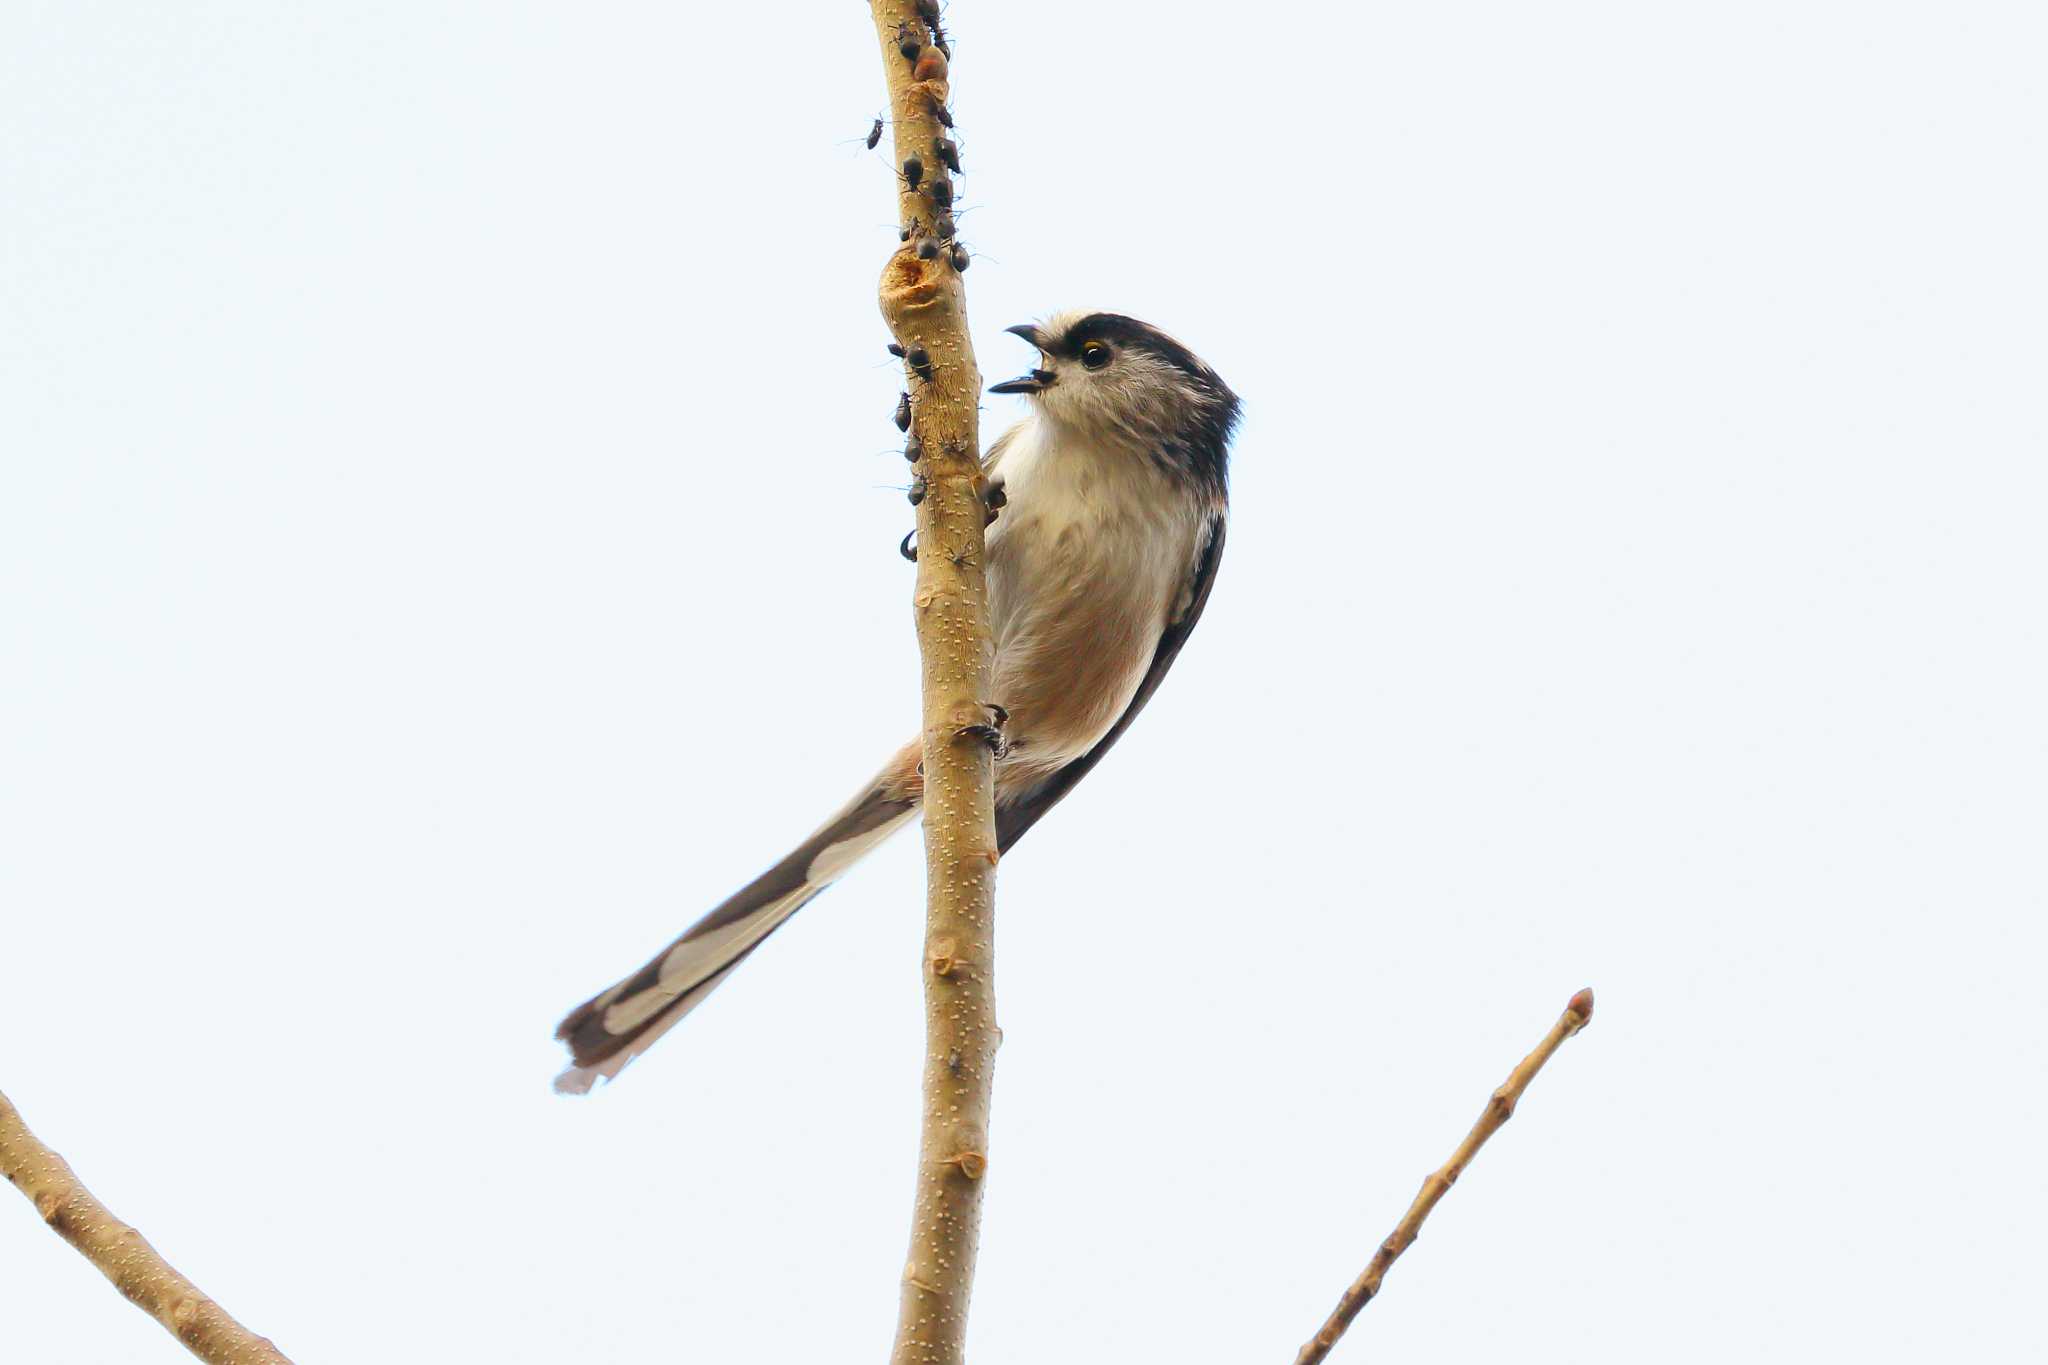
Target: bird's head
1128,382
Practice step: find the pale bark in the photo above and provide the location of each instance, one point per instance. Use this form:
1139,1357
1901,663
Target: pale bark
121,1253
1500,1107
925,306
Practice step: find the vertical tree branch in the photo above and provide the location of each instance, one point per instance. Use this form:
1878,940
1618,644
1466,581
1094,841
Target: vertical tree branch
122,1254
1500,1107
925,305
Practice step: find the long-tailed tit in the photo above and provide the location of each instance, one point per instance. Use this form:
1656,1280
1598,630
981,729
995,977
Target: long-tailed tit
1098,569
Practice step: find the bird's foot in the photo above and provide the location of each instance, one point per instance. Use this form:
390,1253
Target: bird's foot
990,734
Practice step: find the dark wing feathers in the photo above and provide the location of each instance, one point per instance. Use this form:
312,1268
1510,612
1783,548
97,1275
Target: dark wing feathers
1012,820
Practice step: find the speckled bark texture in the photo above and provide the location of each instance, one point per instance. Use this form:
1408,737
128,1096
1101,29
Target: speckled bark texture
924,304
122,1254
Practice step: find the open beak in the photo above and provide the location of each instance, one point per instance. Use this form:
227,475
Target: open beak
1037,381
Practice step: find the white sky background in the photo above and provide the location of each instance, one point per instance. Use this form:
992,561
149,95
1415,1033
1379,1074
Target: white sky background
1636,580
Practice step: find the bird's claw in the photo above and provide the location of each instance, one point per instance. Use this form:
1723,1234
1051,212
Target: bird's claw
990,734
987,734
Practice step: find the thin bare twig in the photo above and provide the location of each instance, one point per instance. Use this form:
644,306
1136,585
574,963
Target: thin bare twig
121,1253
1500,1107
925,306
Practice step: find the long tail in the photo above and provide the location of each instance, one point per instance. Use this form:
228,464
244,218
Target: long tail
611,1029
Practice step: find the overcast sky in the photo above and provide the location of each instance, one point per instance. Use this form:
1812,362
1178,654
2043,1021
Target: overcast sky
448,510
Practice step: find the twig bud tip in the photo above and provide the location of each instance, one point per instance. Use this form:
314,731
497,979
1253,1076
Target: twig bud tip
1582,1005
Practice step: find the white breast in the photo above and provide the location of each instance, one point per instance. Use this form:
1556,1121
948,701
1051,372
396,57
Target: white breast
1086,564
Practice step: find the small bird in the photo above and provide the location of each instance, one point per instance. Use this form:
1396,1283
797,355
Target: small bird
1113,489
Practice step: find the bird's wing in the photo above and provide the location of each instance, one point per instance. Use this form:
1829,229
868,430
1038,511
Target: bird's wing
1013,819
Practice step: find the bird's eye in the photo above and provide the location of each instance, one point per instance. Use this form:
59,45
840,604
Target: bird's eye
1095,355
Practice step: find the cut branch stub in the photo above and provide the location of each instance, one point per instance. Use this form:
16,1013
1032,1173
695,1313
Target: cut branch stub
924,304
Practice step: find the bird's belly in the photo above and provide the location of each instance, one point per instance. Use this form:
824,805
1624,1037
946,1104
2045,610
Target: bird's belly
1078,610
